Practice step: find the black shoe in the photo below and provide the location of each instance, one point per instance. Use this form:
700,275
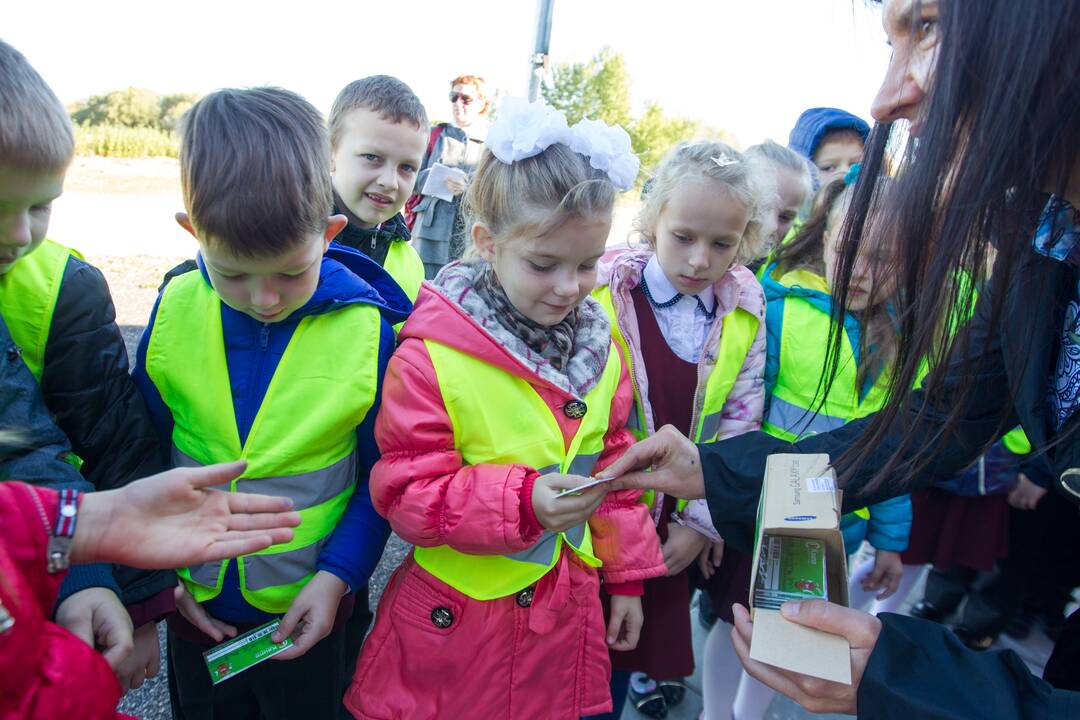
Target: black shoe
973,639
706,614
673,691
645,696
927,611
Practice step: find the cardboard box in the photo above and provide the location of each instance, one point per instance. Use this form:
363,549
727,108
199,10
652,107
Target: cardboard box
799,499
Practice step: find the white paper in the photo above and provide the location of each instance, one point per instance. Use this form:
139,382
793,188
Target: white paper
435,184
820,484
584,486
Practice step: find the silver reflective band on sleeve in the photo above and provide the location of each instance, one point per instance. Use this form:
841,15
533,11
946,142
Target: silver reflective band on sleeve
710,426
800,421
305,489
633,422
283,568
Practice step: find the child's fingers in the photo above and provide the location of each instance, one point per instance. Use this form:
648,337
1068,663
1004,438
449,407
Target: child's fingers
195,614
616,621
289,621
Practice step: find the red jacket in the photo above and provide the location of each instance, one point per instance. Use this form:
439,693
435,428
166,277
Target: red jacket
45,671
512,657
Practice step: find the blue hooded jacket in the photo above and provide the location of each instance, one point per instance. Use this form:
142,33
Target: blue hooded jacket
890,521
815,122
252,353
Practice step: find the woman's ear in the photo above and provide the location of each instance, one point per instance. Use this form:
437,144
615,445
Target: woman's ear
483,241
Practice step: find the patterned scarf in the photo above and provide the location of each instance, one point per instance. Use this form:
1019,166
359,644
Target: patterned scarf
1058,236
555,344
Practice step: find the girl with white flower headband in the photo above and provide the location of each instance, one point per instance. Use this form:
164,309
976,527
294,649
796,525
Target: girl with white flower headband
505,391
688,317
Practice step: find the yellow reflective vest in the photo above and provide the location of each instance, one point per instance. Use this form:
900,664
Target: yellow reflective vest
28,295
509,423
404,265
302,443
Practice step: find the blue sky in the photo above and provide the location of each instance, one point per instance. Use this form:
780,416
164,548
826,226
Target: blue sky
749,66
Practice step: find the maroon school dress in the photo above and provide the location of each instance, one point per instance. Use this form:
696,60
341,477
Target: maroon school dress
949,530
665,650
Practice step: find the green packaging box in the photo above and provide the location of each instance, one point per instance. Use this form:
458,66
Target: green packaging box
790,568
234,656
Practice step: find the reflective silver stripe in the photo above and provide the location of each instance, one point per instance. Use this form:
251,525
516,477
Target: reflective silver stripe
283,568
306,489
576,535
583,464
710,426
205,574
800,421
542,553
633,422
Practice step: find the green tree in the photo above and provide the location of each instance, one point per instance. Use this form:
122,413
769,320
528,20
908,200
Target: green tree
131,107
654,133
598,89
172,107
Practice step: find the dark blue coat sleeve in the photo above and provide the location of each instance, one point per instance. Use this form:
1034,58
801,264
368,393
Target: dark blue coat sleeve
919,669
355,546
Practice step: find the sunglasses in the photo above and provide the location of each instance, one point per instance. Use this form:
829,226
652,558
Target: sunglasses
465,99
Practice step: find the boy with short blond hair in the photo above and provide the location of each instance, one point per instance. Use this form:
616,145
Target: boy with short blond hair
272,350
61,320
378,135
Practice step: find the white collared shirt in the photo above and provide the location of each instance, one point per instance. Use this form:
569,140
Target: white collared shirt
685,324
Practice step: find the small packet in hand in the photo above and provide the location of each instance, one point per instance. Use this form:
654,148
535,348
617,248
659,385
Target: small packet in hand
583,486
234,656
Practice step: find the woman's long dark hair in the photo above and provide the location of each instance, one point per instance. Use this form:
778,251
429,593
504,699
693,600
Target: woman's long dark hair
1000,125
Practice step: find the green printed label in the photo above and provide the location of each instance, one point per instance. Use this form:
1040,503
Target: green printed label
233,657
789,568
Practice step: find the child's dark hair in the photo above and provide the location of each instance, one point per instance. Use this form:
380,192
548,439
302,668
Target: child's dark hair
255,169
807,247
35,130
392,99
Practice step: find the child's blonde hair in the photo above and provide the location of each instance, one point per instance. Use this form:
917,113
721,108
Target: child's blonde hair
786,158
740,175
535,196
35,130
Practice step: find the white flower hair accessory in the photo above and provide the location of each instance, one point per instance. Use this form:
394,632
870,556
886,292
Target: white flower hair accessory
523,129
724,160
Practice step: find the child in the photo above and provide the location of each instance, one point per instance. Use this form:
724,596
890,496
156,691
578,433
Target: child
506,388
378,133
689,319
271,352
798,285
60,315
832,139
793,181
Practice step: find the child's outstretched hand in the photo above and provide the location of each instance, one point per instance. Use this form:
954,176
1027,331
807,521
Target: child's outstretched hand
682,547
624,627
311,615
886,574
559,514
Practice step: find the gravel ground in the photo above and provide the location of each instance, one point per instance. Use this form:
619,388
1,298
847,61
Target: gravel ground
133,282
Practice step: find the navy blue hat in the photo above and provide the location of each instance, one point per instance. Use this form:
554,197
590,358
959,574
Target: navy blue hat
815,122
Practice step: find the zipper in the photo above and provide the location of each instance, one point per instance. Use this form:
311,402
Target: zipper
264,336
638,398
375,236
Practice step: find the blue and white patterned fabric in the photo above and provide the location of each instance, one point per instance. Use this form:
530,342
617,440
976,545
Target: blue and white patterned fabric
1058,236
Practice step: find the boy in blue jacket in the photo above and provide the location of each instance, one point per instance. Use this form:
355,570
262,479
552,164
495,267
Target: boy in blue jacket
272,350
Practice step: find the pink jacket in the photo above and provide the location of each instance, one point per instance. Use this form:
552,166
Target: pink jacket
540,656
738,288
45,671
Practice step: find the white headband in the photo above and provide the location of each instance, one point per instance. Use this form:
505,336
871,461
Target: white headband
523,129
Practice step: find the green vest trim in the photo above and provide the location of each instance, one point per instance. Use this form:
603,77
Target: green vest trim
302,443
403,264
509,423
28,295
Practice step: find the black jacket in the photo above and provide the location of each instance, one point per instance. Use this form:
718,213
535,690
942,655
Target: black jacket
1020,353
86,386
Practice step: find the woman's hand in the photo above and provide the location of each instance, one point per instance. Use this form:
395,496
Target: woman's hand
175,519
710,558
816,695
675,463
683,546
143,662
624,627
886,574
562,513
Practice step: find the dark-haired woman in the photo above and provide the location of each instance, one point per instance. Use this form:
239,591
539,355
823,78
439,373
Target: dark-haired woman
992,93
